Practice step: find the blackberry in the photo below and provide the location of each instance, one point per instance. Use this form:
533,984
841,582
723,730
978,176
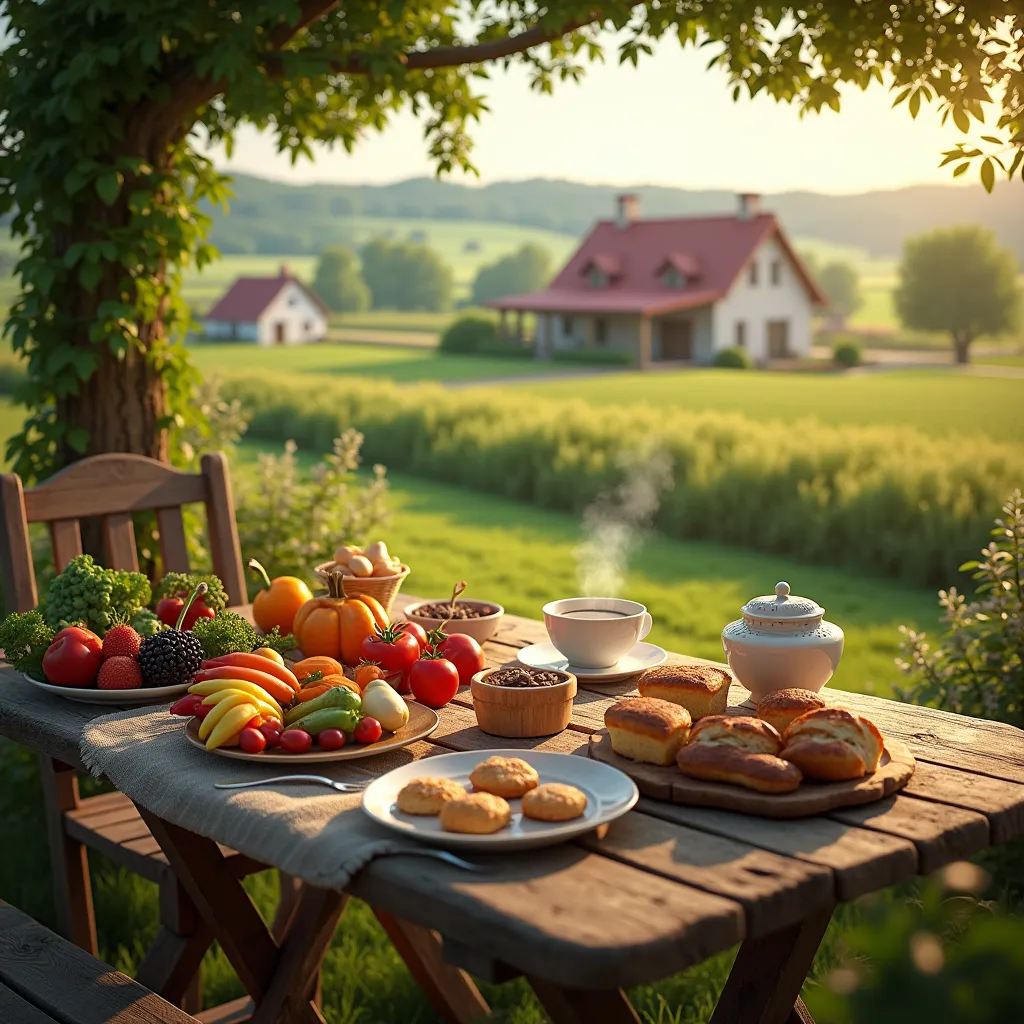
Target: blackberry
169,658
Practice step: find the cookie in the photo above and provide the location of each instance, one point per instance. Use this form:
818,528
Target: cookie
554,801
509,777
475,813
428,796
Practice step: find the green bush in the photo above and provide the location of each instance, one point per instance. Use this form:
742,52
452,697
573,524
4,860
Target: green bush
887,500
732,359
847,353
594,356
465,335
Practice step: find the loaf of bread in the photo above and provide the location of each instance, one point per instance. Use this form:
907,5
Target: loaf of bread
832,745
743,732
702,689
647,730
718,762
781,707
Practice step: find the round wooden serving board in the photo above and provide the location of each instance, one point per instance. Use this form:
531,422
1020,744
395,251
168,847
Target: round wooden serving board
894,772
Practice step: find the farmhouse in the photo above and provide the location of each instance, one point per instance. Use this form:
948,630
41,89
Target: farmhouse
269,311
677,291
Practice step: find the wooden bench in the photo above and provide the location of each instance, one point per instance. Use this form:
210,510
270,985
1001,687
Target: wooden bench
45,979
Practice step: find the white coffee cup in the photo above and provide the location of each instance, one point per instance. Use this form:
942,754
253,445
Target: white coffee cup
595,632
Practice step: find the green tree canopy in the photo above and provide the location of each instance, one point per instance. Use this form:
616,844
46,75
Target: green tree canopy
404,275
523,271
839,281
958,280
339,282
106,104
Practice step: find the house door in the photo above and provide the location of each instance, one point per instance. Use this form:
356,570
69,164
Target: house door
778,339
676,341
279,332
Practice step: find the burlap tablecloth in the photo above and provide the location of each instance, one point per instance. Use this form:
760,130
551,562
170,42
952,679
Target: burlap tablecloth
306,829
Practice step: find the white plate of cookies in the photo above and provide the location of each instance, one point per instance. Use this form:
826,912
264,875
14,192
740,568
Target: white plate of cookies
497,800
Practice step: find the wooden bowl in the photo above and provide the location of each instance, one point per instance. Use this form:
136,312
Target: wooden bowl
518,712
480,629
383,588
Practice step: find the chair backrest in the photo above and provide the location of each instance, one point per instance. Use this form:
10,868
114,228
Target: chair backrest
112,487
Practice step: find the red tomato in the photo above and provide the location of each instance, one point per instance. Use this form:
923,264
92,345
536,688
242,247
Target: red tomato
465,654
295,741
187,705
252,741
70,662
255,722
394,650
434,681
86,636
202,710
271,733
416,630
331,739
168,609
367,731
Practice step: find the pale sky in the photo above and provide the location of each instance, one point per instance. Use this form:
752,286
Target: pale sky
668,122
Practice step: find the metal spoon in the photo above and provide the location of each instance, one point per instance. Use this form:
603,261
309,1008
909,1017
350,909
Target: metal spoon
341,787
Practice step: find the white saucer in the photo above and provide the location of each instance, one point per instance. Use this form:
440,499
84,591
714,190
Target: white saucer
641,657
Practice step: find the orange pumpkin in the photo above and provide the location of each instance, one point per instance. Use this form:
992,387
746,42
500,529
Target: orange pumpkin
335,626
277,605
314,689
328,666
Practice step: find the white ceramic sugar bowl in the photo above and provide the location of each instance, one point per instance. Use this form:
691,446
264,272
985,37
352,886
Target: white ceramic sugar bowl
782,641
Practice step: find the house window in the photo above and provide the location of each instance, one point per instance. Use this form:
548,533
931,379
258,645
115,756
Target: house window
596,277
741,334
752,274
292,301
567,326
308,326
776,272
673,279
601,331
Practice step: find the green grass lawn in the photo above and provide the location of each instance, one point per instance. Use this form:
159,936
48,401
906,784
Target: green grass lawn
935,401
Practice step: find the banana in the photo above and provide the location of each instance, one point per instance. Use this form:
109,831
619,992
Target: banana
228,728
211,686
234,700
262,707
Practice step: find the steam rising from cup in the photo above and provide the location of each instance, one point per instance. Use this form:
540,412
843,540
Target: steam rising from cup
616,523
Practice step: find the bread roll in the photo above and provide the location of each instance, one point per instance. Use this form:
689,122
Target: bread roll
717,762
702,689
781,707
743,732
647,730
833,745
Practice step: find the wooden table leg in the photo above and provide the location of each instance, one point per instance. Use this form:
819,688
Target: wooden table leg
764,984
584,1006
451,991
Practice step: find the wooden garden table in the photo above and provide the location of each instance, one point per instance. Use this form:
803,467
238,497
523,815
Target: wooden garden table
667,887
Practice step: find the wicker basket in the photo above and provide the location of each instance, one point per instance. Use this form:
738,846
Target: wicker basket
383,588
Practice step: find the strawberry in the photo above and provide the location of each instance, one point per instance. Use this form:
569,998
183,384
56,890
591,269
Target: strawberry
119,673
121,641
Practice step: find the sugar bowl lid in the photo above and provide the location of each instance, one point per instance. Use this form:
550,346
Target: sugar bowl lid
782,605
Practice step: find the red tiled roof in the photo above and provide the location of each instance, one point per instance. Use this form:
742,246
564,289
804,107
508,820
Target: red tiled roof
718,247
248,297
609,265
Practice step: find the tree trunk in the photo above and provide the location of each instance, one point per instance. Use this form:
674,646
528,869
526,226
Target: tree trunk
962,346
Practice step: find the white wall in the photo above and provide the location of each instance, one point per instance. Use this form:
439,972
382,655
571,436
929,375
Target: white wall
302,318
757,304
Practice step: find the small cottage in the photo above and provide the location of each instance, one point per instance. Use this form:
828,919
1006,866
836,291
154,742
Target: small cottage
268,311
675,291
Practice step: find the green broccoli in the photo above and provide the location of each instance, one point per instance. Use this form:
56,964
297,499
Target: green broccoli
226,634
181,584
86,592
24,639
145,623
275,641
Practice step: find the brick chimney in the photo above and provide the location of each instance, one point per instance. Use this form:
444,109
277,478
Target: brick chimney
285,272
628,209
749,204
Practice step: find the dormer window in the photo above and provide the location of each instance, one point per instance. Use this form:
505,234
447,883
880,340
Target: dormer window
600,270
673,279
678,270
596,277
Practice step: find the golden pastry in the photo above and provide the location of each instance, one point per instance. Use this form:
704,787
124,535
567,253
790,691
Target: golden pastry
646,729
509,777
475,813
702,689
427,795
554,801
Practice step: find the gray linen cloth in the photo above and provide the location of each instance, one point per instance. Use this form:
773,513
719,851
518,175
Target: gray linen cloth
306,829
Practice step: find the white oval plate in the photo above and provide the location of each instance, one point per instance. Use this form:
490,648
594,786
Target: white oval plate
642,656
610,794
123,698
422,722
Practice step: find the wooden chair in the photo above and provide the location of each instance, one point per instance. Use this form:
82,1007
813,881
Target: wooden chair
111,488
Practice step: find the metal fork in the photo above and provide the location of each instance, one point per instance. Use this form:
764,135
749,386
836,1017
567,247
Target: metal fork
341,787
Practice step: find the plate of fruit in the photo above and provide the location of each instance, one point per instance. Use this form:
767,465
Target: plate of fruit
254,708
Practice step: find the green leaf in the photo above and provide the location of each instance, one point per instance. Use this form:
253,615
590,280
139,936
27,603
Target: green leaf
78,438
108,186
957,171
988,174
914,105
